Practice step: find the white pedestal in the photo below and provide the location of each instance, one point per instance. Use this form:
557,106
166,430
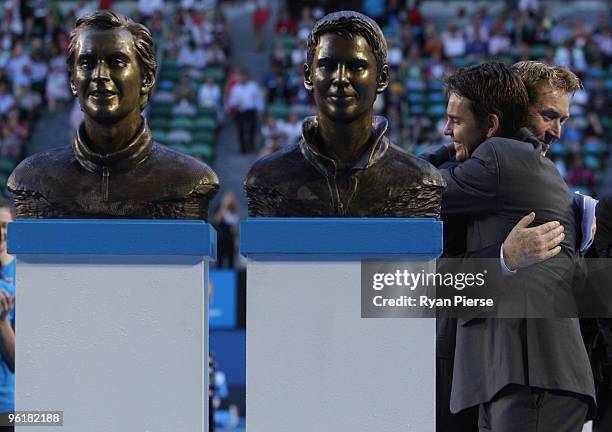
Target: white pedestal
312,362
117,340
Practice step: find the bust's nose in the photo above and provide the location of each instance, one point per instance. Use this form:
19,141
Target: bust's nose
341,76
101,71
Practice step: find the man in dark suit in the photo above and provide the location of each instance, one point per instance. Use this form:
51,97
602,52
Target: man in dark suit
600,345
603,236
548,88
518,372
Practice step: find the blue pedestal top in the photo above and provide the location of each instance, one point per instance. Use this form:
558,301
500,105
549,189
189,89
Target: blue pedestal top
340,238
112,237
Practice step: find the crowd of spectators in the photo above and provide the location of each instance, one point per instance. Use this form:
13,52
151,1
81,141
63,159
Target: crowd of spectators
193,55
33,43
421,50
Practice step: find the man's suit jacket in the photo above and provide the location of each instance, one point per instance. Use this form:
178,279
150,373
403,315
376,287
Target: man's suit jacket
502,181
603,236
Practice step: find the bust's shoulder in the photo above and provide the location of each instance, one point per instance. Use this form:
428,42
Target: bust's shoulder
424,172
269,169
37,171
183,170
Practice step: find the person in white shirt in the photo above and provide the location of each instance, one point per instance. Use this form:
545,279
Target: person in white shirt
246,99
292,128
209,93
453,42
191,56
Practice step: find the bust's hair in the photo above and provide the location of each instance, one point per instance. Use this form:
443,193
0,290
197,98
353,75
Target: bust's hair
535,74
349,24
492,88
105,19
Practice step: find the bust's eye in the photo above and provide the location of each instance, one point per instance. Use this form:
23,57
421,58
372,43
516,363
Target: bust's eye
85,63
358,65
119,62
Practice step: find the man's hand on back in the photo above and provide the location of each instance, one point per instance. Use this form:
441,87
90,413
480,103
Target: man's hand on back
527,246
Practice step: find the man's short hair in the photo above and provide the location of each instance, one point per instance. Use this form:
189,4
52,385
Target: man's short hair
105,19
492,88
349,24
534,74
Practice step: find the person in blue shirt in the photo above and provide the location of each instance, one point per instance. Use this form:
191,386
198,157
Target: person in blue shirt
7,315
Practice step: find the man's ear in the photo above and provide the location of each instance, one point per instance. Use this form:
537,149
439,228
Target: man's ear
307,77
492,125
383,79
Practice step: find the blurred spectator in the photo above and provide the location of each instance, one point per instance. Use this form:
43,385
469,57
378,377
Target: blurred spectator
7,315
395,56
191,56
226,221
280,57
292,128
215,56
27,101
298,55
14,134
529,5
500,42
580,174
17,63
277,88
84,7
6,99
305,24
246,99
76,116
38,71
260,19
209,94
147,7
374,9
561,31
475,30
272,132
453,42
185,97
563,56
436,67
477,47
56,87
598,108
285,24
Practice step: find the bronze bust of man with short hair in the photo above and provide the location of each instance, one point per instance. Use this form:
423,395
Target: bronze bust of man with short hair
344,165
113,169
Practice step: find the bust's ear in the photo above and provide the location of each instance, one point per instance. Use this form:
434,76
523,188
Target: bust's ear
307,77
148,81
73,88
493,125
383,79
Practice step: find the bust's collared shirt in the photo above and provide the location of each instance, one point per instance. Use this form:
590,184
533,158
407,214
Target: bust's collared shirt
133,154
300,181
144,180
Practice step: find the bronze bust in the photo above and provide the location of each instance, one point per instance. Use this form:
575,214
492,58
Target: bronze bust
114,169
344,164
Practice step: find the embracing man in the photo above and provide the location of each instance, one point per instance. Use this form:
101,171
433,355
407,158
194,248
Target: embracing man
522,374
